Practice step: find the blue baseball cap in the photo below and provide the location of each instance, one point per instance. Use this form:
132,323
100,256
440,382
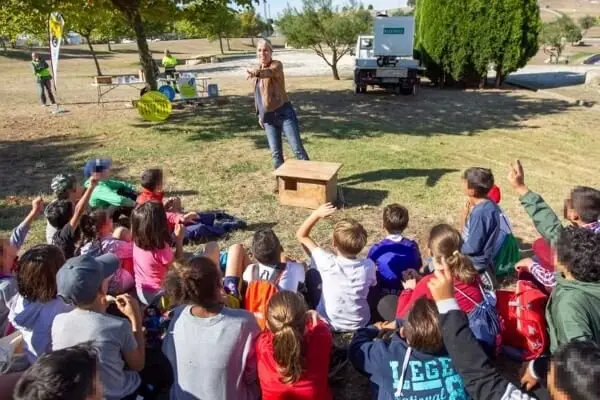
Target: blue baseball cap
80,278
96,165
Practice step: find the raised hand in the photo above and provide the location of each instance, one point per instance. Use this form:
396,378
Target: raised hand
516,177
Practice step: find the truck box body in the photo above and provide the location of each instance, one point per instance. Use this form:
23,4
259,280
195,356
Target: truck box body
394,37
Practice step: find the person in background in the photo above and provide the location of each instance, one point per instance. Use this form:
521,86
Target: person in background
64,187
41,69
71,373
293,353
481,223
273,108
346,277
34,308
210,347
170,63
110,192
413,363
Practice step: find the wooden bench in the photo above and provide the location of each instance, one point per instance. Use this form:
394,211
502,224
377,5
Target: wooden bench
307,184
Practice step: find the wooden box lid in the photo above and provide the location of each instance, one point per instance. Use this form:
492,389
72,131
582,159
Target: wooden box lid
313,170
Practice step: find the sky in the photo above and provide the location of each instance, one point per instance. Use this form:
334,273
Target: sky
278,6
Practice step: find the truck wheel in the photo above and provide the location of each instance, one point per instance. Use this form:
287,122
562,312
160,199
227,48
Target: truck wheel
357,89
406,91
397,90
363,89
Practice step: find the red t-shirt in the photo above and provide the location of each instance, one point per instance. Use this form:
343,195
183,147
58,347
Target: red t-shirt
313,384
409,297
147,195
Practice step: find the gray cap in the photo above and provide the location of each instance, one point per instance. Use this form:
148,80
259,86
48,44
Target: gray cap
80,278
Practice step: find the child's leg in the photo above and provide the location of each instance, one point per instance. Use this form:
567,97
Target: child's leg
314,287
211,251
237,261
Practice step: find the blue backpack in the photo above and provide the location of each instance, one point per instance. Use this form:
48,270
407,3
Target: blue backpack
484,321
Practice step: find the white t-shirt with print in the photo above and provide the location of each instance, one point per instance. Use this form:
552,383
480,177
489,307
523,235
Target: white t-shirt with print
346,284
292,276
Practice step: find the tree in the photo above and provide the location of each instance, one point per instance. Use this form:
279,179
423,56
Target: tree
250,24
411,3
552,38
322,27
370,7
458,41
212,19
586,22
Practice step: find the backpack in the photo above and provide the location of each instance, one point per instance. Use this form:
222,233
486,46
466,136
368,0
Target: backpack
260,291
525,335
484,321
509,252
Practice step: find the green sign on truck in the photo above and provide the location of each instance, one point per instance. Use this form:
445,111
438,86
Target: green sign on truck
393,31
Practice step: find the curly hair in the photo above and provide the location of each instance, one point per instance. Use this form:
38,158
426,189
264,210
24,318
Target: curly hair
576,368
286,319
578,251
197,281
36,272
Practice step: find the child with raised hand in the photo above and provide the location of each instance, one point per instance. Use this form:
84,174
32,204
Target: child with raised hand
152,253
100,237
35,306
444,244
209,346
346,277
8,259
64,187
481,223
65,217
110,192
413,363
271,265
83,283
293,353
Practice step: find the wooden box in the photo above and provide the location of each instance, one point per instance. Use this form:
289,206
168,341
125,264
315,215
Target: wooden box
103,79
307,184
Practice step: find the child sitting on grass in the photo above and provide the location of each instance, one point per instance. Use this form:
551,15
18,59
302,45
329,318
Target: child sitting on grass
481,222
152,182
8,261
65,217
64,187
110,192
100,237
271,263
346,277
152,253
394,255
83,282
293,353
413,364
210,347
34,308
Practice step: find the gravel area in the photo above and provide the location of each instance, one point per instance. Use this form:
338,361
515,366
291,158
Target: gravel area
295,62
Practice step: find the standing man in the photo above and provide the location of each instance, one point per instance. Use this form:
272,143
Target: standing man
169,63
44,78
274,110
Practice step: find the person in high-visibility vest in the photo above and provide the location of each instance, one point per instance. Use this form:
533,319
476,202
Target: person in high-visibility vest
169,63
44,78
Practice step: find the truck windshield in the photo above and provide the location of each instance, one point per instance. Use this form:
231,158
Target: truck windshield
366,44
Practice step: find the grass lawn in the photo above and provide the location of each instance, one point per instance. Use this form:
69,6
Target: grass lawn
394,149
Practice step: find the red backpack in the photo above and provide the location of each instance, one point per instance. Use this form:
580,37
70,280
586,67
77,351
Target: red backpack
525,334
260,291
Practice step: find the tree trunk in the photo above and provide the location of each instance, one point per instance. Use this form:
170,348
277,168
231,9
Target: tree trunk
334,69
221,43
228,45
482,82
143,49
252,41
89,42
499,77
108,45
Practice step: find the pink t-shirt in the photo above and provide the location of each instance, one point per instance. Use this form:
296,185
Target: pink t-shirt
150,266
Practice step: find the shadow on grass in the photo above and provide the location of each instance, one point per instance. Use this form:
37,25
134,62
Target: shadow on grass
352,196
433,175
339,114
12,215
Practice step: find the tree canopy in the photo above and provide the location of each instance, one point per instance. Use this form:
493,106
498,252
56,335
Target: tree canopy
325,28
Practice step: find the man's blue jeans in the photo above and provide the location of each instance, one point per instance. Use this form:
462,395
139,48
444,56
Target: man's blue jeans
283,120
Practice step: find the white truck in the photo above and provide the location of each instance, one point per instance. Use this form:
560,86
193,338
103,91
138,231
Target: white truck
385,59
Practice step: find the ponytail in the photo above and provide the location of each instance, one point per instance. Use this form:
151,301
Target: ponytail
445,243
286,319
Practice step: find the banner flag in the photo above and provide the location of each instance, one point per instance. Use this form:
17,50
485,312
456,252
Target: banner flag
56,24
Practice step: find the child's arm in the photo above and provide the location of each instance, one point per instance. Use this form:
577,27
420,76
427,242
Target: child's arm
135,358
367,355
179,235
108,193
19,234
81,205
303,233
